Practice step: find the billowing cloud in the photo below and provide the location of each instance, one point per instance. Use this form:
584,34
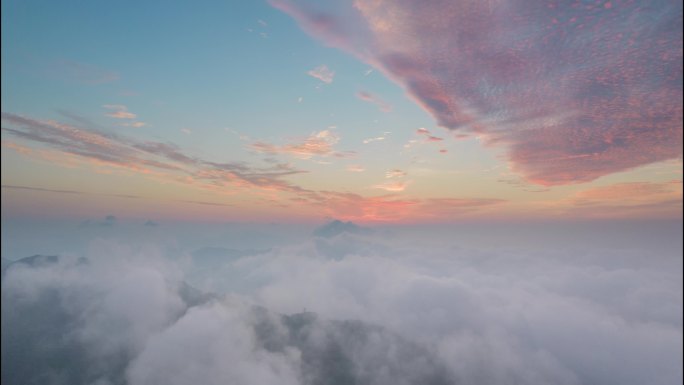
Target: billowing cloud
322,73
373,99
574,91
119,111
391,306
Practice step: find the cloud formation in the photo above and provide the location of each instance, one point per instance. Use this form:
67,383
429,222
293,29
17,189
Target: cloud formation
75,146
574,91
396,186
392,306
396,173
119,111
322,73
428,136
373,99
164,160
317,144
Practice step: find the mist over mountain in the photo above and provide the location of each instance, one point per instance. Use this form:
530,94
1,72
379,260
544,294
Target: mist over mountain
42,339
387,307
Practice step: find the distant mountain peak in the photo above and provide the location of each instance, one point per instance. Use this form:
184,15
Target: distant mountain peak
336,227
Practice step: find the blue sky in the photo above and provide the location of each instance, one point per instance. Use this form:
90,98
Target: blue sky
233,83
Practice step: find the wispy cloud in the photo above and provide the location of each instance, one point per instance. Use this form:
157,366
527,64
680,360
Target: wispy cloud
317,144
371,140
397,186
204,203
322,73
636,200
356,168
447,208
373,99
574,93
428,137
396,173
630,193
133,124
147,157
57,191
118,111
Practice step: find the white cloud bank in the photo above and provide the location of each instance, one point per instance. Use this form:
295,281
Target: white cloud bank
378,308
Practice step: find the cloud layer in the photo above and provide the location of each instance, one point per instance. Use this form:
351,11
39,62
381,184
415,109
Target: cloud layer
389,307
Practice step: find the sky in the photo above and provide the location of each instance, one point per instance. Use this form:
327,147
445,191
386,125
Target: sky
372,111
316,192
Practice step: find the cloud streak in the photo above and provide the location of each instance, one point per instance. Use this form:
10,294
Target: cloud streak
317,144
147,157
373,99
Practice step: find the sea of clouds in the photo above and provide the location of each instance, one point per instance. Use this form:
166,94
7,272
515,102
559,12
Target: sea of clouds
382,306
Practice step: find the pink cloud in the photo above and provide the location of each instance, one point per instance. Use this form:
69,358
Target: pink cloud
574,92
373,99
428,137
